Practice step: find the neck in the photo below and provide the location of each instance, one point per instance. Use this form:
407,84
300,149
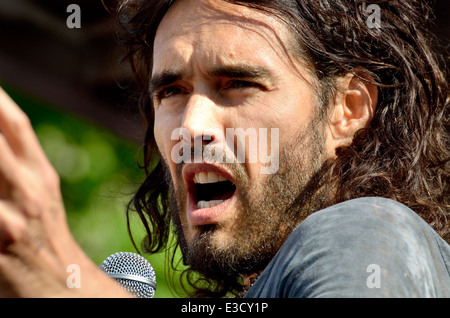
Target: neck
249,280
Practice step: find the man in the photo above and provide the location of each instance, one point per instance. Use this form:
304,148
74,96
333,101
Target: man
360,114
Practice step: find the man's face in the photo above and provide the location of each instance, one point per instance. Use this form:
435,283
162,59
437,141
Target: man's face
219,66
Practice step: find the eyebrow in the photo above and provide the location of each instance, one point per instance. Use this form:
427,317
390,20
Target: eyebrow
164,79
239,71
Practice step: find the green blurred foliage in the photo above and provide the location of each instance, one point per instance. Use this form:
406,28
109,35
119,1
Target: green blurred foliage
99,174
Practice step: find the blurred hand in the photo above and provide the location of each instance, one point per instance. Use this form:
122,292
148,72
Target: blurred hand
36,246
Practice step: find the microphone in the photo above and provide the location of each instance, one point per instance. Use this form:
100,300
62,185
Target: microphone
133,273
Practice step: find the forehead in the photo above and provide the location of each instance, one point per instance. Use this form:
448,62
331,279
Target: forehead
216,31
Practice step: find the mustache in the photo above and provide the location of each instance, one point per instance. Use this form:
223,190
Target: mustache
239,146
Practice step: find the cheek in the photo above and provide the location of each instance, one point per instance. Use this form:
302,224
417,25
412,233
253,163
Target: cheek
165,125
163,130
160,139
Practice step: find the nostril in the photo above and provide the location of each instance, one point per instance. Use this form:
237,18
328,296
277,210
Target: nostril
208,138
203,139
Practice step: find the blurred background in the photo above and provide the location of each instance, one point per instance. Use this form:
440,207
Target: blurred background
79,97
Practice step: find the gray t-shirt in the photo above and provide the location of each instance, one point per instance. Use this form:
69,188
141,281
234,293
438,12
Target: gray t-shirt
366,247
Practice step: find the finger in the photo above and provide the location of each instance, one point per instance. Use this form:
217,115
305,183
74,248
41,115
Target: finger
12,224
16,127
15,183
8,163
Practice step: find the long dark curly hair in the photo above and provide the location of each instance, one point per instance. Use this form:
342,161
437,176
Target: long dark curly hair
403,154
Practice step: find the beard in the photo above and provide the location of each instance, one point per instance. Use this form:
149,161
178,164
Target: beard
267,213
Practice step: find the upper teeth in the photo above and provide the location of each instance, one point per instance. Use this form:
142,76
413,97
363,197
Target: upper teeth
208,177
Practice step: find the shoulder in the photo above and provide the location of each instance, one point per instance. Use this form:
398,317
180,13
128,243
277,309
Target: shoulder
370,220
334,252
364,211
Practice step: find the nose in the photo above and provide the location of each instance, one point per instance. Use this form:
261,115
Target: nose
201,120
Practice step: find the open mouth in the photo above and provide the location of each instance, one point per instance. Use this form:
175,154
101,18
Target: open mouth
211,189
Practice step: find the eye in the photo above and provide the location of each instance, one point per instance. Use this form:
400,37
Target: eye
240,84
168,92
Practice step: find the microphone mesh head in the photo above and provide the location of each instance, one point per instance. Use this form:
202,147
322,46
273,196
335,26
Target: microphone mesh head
133,272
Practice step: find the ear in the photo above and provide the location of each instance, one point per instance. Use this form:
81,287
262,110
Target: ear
353,109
